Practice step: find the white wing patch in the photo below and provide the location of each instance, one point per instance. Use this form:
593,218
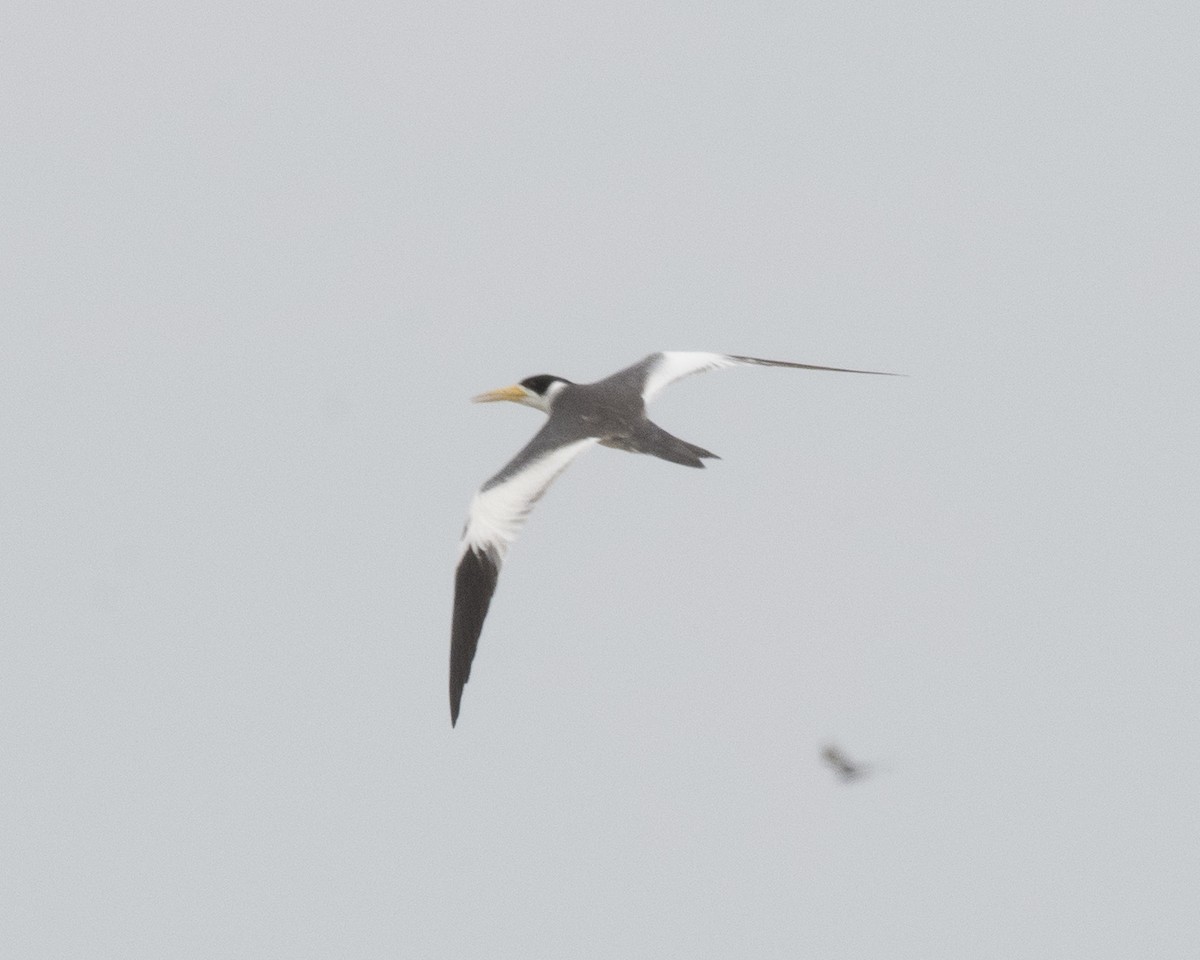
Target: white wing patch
675,365
498,513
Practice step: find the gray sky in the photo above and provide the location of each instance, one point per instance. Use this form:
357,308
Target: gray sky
257,258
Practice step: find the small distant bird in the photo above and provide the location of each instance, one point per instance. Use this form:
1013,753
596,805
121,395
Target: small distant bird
610,412
846,769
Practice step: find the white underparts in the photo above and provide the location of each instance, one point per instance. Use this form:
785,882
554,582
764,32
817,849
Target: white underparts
499,512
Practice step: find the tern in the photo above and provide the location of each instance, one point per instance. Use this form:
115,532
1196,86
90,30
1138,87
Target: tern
610,412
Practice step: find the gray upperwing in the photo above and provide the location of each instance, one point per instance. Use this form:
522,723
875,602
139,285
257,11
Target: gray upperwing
633,378
556,432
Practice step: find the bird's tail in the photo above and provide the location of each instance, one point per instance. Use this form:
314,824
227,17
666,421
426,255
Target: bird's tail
654,440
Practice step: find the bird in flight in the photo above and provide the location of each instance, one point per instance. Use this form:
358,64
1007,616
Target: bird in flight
610,412
847,770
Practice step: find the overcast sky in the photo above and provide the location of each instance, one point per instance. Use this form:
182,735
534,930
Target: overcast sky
256,258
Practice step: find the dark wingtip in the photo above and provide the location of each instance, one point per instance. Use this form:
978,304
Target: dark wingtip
812,366
457,682
474,584
456,691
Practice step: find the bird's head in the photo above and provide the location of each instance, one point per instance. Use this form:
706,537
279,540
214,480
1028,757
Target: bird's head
537,392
